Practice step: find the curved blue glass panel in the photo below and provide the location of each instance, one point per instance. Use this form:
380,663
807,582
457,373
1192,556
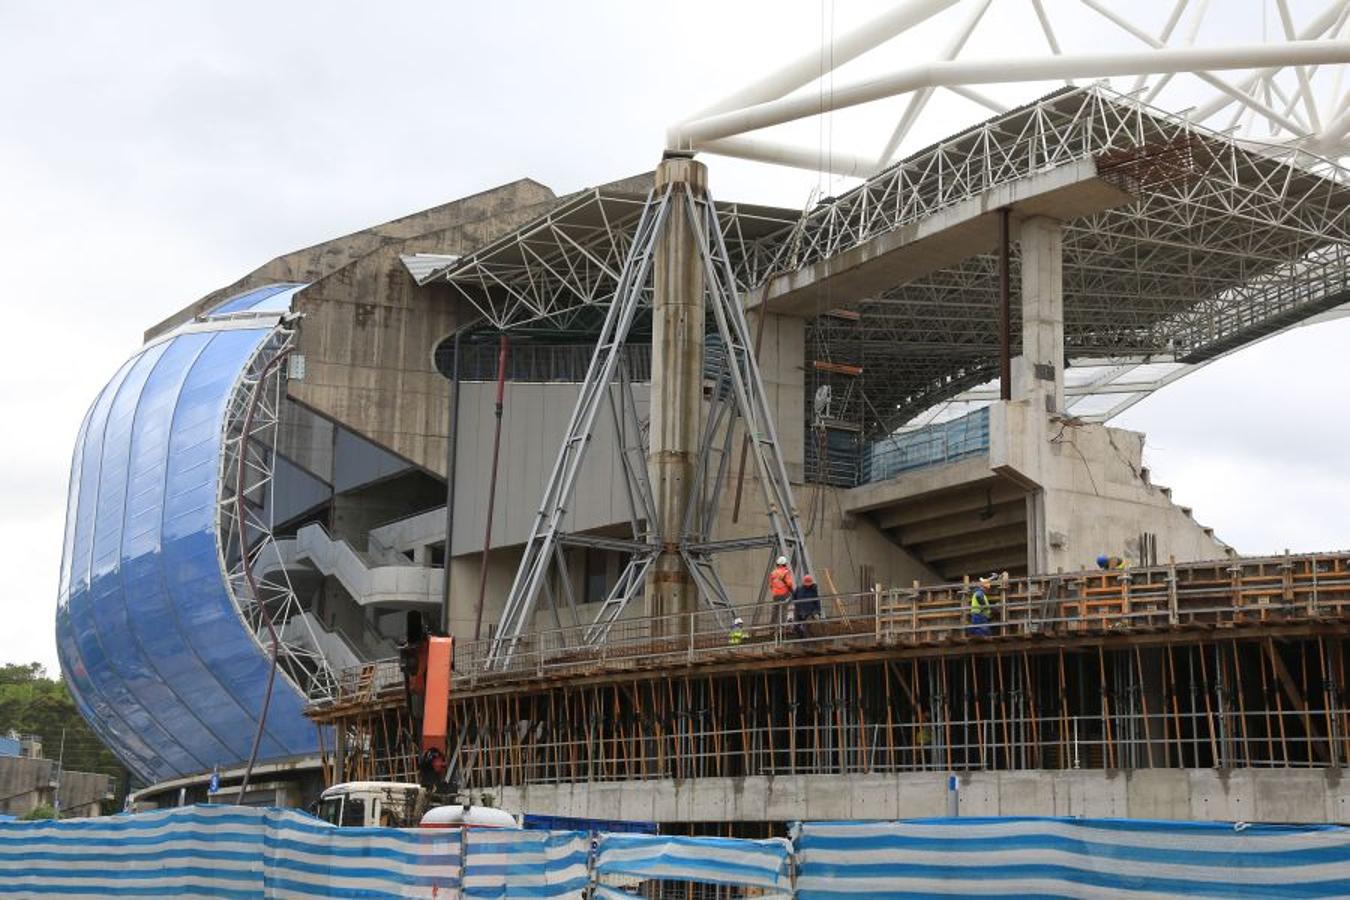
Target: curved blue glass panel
153,648
273,298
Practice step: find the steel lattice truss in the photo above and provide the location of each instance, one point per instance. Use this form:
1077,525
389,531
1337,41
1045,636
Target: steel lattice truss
1221,245
561,270
250,429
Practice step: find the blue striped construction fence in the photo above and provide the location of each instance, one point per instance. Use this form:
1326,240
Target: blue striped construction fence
228,851
712,860
224,852
1079,858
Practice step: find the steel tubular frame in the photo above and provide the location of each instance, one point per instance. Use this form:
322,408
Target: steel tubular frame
268,594
739,395
1240,242
541,547
1197,265
1299,112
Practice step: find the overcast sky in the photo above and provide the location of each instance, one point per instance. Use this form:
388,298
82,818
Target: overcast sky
151,152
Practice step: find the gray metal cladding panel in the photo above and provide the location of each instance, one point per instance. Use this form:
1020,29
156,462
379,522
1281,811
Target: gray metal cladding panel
534,419
151,643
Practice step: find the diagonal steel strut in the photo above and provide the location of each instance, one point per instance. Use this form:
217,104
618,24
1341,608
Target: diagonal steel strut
738,395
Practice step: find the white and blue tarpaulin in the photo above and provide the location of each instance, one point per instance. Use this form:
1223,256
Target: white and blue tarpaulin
540,865
1053,857
227,852
760,864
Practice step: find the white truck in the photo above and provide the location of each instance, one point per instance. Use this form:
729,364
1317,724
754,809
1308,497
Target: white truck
392,804
401,804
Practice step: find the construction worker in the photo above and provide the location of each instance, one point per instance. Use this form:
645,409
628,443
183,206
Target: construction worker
979,608
807,605
1105,562
737,634
781,587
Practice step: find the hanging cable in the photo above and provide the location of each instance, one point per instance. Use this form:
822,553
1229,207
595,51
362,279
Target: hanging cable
503,348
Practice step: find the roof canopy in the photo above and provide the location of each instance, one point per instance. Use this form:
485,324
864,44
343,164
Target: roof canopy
1223,243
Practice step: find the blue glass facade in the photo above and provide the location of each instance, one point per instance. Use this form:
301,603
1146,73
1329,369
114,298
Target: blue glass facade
153,647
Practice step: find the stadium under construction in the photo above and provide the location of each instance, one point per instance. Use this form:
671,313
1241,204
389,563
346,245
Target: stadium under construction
574,432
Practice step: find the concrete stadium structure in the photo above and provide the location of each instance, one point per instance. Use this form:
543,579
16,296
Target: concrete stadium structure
273,469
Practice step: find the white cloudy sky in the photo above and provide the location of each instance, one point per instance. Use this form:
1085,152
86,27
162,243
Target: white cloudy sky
150,152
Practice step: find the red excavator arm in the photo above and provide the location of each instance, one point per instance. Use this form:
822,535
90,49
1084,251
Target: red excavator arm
440,652
427,665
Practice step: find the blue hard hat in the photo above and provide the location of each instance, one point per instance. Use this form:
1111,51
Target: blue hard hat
1103,561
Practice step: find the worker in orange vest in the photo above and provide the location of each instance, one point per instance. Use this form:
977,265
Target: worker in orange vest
782,587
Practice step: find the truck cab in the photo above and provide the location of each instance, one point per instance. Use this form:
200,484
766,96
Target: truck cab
391,804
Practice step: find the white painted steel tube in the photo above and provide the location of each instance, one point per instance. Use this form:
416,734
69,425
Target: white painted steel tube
1244,97
786,155
997,71
920,99
807,68
1314,29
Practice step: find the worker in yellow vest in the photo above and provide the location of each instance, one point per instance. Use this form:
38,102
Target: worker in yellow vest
737,635
979,608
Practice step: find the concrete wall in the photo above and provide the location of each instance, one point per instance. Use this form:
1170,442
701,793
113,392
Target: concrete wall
1095,495
782,361
369,333
310,264
26,784
1250,795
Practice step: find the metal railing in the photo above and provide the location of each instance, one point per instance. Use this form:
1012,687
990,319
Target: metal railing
1267,590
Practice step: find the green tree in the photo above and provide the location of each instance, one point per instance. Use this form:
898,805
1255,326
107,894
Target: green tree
32,703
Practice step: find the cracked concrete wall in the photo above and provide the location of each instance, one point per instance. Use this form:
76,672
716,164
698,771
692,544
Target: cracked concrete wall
1095,496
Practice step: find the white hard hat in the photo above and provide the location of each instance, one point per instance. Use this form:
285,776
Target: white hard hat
782,560
737,621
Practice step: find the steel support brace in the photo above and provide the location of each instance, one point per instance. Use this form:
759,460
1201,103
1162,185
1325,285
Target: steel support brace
738,396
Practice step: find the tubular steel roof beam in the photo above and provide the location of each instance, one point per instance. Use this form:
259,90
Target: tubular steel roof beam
997,71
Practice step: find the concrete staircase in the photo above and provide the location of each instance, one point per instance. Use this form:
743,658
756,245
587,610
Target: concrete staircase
391,586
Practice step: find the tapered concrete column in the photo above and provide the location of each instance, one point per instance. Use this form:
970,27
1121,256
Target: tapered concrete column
677,385
1038,374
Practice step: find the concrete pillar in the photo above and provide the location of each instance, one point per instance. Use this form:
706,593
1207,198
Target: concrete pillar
1038,374
782,367
677,385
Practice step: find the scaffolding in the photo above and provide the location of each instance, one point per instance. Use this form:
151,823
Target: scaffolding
1223,664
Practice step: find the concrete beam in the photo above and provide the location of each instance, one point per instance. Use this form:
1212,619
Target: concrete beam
1202,795
998,542
1013,559
985,515
942,239
929,506
920,483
